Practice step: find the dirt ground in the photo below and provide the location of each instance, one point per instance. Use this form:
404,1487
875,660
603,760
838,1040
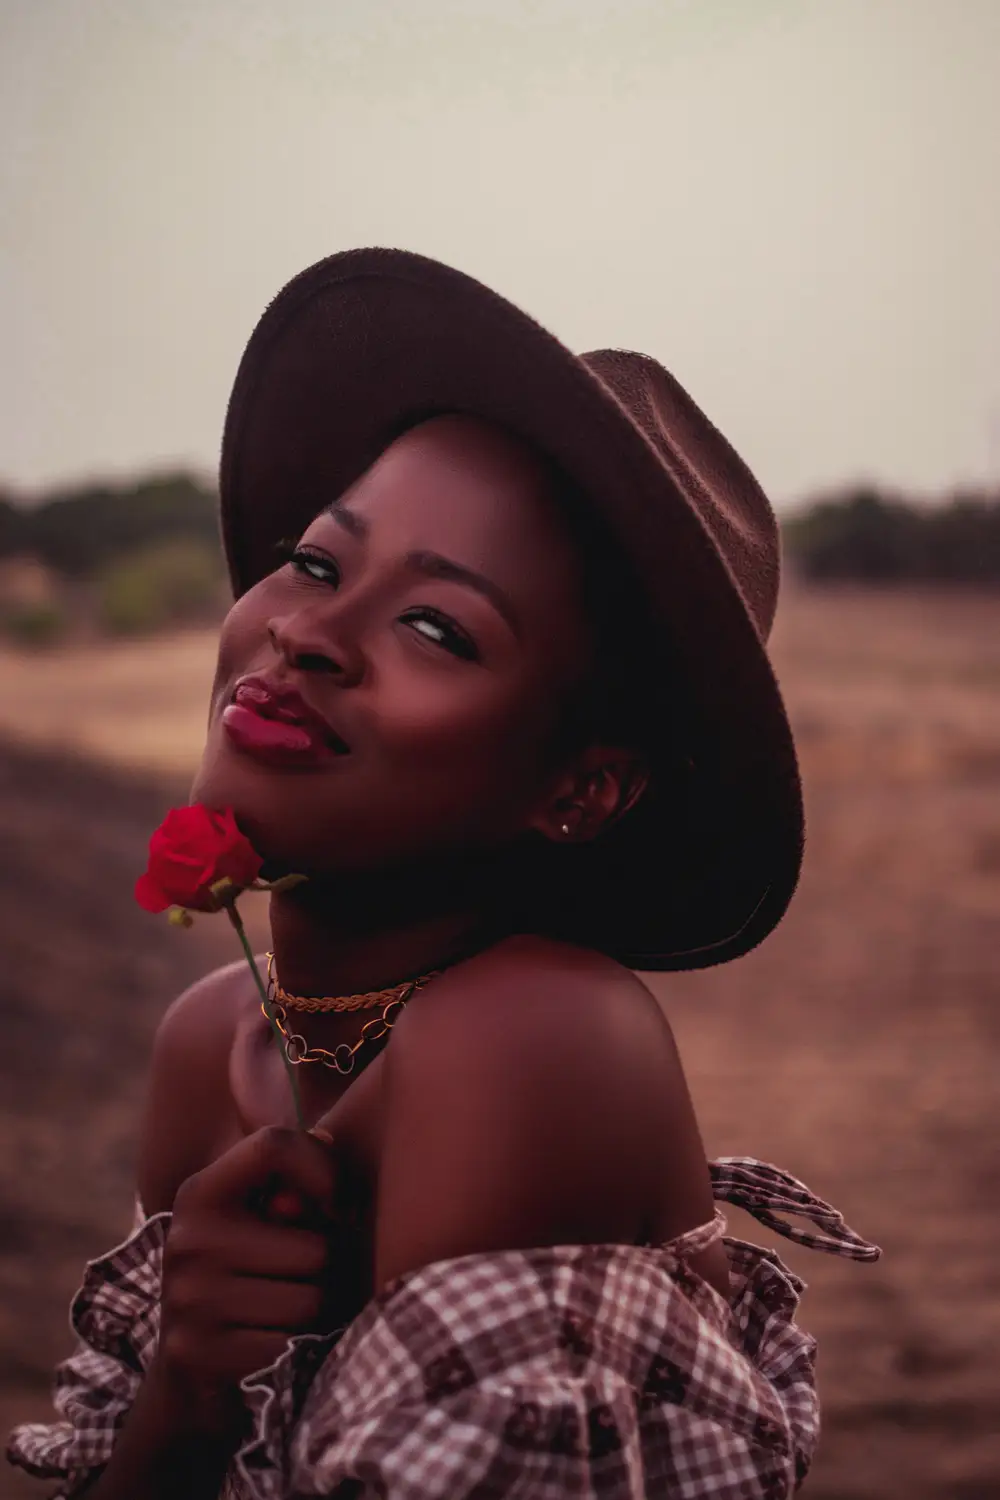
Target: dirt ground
859,1047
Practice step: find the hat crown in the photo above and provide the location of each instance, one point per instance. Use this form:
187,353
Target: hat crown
707,470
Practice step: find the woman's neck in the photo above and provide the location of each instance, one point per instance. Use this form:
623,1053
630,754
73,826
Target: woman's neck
362,934
317,956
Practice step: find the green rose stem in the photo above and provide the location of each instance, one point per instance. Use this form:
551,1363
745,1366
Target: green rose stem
265,1001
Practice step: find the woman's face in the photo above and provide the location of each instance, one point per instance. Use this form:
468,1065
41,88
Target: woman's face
407,667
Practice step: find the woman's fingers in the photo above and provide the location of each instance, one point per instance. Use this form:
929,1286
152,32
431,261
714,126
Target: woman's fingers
248,1302
272,1161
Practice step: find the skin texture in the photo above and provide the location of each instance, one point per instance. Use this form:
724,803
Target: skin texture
532,1094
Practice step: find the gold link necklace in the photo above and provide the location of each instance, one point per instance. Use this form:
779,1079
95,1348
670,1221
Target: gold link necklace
297,1050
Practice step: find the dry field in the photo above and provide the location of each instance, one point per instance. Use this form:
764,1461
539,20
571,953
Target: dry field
859,1047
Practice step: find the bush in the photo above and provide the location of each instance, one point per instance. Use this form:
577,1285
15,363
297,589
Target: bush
81,532
175,582
34,625
13,528
870,538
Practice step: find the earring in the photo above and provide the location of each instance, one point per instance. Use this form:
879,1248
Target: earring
565,830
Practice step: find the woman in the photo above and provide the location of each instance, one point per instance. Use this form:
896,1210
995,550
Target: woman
504,700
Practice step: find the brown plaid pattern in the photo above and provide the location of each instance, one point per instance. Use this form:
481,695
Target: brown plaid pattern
590,1370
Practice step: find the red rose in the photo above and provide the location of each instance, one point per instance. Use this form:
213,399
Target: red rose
192,849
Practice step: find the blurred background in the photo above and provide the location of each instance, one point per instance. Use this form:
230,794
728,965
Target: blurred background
795,205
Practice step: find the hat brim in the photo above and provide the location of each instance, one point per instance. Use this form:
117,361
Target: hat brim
370,341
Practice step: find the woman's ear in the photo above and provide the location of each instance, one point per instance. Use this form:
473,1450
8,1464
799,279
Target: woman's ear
591,794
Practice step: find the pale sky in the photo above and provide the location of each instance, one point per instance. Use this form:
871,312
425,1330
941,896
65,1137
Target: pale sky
794,204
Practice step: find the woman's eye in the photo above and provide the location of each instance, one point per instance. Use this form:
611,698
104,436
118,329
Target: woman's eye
315,565
437,628
442,632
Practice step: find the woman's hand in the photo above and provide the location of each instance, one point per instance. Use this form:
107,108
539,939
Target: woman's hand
243,1270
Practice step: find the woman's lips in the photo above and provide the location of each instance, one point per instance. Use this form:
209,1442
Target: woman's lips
277,726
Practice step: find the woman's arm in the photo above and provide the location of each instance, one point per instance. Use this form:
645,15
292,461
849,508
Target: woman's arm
187,1116
230,1287
154,1459
234,1288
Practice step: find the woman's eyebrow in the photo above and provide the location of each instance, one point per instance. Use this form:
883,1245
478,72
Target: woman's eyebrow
433,565
352,523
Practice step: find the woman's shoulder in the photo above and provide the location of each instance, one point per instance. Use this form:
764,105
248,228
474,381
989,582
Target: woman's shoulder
529,984
208,1005
529,960
557,1018
547,1013
188,1112
557,1068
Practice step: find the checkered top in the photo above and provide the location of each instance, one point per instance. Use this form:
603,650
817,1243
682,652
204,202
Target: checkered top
590,1370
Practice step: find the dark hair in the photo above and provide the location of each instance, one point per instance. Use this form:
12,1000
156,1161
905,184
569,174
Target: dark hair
611,700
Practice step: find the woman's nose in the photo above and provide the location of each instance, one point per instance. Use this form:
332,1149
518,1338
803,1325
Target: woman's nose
311,645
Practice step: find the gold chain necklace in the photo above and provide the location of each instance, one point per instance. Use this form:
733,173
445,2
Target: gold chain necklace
297,1049
367,1001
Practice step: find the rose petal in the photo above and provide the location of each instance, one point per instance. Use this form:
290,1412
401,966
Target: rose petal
149,895
193,848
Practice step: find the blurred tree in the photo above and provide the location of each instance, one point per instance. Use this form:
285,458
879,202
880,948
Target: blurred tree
867,537
13,528
80,532
862,534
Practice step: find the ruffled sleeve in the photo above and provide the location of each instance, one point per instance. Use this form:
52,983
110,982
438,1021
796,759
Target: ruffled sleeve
571,1370
584,1370
115,1317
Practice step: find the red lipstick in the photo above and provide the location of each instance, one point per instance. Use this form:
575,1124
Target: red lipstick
273,723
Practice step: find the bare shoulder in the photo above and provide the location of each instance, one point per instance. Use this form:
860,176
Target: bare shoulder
551,973
188,1106
535,1095
555,1007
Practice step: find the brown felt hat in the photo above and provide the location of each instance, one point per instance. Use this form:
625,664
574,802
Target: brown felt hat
364,344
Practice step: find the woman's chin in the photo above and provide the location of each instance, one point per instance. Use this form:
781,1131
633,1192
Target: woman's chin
210,788
218,786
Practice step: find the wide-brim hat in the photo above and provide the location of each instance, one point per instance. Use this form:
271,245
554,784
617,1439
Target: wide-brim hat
368,342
